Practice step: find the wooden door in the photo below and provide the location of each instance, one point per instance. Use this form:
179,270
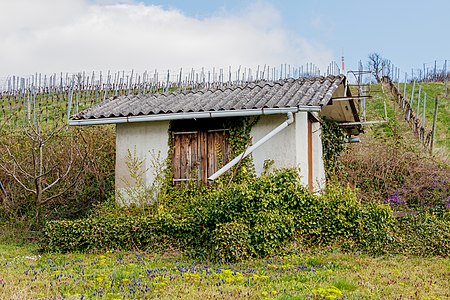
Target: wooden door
186,156
198,154
218,150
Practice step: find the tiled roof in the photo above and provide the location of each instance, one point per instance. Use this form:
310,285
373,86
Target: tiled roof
315,91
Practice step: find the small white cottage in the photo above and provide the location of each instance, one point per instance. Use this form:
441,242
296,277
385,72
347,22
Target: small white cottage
189,127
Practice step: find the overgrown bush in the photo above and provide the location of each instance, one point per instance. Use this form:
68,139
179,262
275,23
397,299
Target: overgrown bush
231,241
120,232
333,144
424,234
247,220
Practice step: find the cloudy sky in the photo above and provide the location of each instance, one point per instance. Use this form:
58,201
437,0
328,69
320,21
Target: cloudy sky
52,36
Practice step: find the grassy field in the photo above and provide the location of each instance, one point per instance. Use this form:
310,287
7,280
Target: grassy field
27,274
24,274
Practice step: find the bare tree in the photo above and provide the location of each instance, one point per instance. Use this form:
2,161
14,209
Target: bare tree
386,67
40,166
375,64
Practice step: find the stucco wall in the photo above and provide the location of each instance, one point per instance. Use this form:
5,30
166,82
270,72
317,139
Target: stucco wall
301,144
149,140
280,148
289,148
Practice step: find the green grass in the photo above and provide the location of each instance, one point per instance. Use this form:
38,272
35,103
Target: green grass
375,111
443,118
24,274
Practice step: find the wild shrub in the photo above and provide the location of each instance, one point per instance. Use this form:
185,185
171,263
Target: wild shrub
396,174
424,234
231,241
235,222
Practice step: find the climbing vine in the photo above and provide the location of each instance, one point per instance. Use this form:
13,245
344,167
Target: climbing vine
239,139
333,143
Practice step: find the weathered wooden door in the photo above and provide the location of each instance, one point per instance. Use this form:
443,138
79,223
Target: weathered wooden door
186,156
218,151
198,154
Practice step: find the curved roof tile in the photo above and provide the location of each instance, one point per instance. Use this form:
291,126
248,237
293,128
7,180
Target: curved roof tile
315,91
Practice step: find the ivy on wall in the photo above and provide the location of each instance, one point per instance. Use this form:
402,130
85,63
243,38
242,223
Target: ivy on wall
333,143
239,139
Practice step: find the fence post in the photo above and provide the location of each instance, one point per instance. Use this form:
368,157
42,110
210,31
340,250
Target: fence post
433,130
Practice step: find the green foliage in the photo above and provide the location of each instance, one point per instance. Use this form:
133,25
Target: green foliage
239,139
231,241
100,233
333,143
424,234
229,223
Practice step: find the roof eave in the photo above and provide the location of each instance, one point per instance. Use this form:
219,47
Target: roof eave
194,115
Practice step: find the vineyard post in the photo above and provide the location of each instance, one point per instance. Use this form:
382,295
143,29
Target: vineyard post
412,93
424,73
418,100
445,77
424,109
435,71
404,90
433,130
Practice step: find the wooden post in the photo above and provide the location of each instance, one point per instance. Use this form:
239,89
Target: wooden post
433,130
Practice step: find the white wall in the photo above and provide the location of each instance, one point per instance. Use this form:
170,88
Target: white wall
149,140
301,145
280,148
289,148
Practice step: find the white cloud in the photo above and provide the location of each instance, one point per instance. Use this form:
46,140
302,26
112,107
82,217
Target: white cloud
52,36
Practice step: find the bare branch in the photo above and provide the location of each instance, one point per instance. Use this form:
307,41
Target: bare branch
53,133
17,163
47,200
13,175
69,168
375,65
